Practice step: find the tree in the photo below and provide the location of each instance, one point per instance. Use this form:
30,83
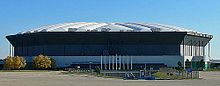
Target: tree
42,62
180,66
9,62
19,62
53,64
23,61
188,63
200,64
97,70
14,62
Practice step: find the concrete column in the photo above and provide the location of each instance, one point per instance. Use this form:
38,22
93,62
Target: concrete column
199,48
112,62
105,62
127,62
131,63
120,63
209,50
119,57
204,51
109,65
183,47
191,54
116,63
123,62
13,49
101,62
10,49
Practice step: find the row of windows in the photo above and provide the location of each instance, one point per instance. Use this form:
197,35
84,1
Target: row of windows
96,50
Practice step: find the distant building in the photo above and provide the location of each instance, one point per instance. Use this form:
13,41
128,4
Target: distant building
89,44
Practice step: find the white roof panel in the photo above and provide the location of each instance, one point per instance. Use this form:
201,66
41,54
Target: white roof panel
110,27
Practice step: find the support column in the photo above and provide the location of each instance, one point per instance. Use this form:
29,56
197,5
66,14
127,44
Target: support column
109,65
199,48
191,53
116,63
101,62
204,51
120,63
127,62
209,50
113,63
105,62
131,63
183,47
10,50
123,62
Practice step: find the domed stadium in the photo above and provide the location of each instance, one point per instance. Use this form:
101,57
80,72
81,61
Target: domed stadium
111,45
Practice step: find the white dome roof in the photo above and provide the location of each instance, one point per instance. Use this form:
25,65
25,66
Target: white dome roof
109,27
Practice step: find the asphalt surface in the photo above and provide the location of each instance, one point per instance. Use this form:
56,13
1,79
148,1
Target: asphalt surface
57,79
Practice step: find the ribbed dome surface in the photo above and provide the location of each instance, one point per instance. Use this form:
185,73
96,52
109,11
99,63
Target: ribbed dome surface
108,27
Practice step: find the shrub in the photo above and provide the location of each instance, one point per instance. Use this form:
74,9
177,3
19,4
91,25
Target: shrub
19,62
14,62
8,62
97,69
42,62
53,64
180,66
161,75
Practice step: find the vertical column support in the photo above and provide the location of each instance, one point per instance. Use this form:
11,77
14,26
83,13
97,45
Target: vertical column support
105,62
209,51
195,49
183,47
101,62
112,62
199,48
127,62
204,51
120,63
131,63
123,62
109,65
116,63
10,50
191,53
183,52
13,49
22,47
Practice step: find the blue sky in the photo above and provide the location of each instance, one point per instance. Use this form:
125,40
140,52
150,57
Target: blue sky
22,15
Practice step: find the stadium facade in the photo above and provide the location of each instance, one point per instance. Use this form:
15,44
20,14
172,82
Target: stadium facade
112,44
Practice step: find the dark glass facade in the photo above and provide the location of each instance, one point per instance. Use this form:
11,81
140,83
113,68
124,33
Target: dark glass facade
97,50
99,43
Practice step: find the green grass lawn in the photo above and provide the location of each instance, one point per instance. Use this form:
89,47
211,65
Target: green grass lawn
212,70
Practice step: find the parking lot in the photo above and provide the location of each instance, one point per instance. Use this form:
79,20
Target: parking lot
56,79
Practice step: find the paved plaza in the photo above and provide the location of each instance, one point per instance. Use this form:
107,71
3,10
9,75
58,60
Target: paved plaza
56,79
